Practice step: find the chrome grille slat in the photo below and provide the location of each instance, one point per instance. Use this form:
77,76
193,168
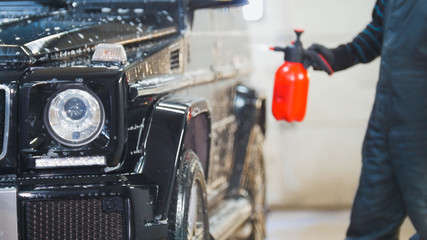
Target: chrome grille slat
4,119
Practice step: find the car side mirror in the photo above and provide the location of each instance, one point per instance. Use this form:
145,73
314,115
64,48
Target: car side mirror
198,4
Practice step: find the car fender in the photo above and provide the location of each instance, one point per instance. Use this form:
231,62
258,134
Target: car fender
164,142
249,109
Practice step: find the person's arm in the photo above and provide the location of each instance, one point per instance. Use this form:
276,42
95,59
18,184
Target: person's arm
365,47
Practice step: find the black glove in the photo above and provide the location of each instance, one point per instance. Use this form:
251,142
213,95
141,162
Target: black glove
317,61
339,58
321,58
327,53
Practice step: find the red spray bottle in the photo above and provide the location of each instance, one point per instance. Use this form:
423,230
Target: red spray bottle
292,81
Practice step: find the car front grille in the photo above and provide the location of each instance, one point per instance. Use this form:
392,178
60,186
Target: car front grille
91,219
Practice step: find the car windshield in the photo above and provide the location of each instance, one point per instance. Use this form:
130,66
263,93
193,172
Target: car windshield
25,21
12,12
11,7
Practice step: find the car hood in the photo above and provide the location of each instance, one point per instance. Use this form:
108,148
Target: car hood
44,36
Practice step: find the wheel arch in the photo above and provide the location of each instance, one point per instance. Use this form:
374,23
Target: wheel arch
173,122
250,110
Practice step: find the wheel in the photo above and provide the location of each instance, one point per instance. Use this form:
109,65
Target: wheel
188,217
254,183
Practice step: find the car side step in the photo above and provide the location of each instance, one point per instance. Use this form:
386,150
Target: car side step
227,218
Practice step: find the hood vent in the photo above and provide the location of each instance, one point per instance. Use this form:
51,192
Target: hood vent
174,59
14,57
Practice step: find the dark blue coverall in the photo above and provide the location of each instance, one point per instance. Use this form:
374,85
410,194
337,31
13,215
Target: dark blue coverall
393,181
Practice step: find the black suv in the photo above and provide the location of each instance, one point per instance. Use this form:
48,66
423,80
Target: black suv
129,119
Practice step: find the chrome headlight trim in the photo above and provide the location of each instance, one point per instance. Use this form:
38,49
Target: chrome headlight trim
74,117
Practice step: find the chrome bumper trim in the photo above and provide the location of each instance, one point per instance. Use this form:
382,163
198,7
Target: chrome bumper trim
8,214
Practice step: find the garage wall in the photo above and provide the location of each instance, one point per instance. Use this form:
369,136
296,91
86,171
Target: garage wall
315,163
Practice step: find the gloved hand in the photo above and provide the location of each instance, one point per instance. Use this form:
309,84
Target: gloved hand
327,53
321,58
339,58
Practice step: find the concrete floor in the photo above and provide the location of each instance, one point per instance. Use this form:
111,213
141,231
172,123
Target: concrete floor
315,225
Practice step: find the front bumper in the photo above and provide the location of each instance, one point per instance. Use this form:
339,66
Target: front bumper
79,207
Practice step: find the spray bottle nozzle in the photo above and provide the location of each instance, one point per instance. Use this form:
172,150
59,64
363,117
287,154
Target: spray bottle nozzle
294,52
278,49
298,31
298,42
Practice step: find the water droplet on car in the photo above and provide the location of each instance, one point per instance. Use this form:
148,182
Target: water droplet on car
17,38
138,10
122,11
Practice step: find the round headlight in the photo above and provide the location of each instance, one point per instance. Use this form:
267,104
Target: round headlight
75,117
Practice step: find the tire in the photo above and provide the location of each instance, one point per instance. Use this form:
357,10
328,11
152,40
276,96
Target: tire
188,218
254,183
